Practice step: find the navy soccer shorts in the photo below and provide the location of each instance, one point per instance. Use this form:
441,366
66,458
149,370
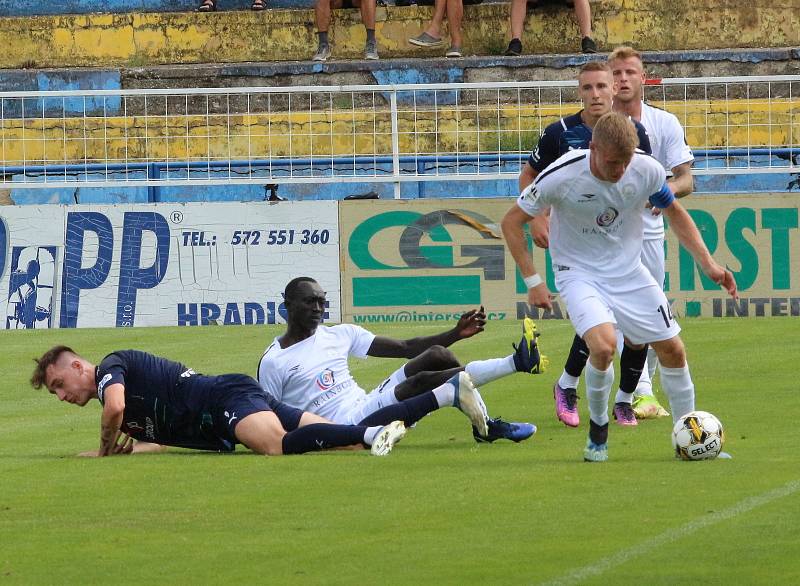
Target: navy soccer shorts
240,395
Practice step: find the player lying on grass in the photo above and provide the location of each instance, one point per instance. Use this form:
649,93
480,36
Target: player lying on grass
156,400
596,198
307,368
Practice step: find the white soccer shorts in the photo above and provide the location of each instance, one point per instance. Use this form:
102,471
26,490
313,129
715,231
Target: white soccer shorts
636,304
380,397
653,259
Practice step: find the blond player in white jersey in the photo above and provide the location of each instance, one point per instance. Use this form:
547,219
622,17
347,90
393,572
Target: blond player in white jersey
308,365
595,198
669,147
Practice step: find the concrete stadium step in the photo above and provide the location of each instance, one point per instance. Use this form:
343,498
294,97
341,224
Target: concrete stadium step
277,35
709,63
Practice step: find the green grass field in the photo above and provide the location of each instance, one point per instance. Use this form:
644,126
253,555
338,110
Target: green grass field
439,508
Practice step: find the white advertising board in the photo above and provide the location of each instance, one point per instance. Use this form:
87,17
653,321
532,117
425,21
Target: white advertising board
162,264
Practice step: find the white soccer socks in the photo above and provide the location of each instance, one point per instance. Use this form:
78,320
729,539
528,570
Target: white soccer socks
445,394
485,371
677,384
598,390
645,386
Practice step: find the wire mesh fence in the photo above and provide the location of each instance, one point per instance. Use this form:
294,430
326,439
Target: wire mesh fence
357,133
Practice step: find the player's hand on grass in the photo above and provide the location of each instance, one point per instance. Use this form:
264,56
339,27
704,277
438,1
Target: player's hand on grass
123,445
540,296
471,322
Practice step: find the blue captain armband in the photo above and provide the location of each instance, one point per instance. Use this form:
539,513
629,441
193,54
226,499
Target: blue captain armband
663,197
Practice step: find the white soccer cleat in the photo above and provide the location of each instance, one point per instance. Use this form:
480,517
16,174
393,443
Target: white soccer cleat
387,437
469,402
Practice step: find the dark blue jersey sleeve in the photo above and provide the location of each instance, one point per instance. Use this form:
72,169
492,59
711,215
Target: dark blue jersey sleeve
644,138
663,198
110,371
546,151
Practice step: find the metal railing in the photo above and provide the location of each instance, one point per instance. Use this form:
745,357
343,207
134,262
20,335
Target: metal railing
381,133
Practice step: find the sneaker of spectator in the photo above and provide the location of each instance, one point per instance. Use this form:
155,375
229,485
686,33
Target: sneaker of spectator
588,45
371,51
432,35
514,48
323,53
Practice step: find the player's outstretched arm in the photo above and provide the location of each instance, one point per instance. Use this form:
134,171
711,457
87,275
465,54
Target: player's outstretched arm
513,230
689,236
470,323
147,448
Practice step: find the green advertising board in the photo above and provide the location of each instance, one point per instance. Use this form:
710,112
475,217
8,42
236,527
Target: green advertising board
427,261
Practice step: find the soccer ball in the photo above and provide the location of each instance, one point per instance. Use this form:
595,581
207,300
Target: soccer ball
698,435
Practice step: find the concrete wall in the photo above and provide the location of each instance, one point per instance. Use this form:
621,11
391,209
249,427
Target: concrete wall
283,35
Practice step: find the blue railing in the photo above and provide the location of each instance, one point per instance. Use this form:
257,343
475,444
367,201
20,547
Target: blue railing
416,168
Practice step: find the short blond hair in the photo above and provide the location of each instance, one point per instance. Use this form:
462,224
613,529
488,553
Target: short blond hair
624,52
616,131
594,66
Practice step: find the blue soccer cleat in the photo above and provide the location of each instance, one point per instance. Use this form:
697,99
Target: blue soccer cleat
499,429
595,452
526,355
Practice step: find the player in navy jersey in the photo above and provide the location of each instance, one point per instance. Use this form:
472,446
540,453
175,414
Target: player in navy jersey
597,90
158,401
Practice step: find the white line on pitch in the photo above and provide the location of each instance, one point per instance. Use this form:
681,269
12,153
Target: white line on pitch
620,558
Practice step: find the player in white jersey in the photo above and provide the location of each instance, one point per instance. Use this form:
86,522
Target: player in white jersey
595,198
669,146
308,366
596,89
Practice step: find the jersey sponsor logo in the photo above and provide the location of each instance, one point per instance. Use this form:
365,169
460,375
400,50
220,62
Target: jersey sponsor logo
325,379
588,195
133,426
607,217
